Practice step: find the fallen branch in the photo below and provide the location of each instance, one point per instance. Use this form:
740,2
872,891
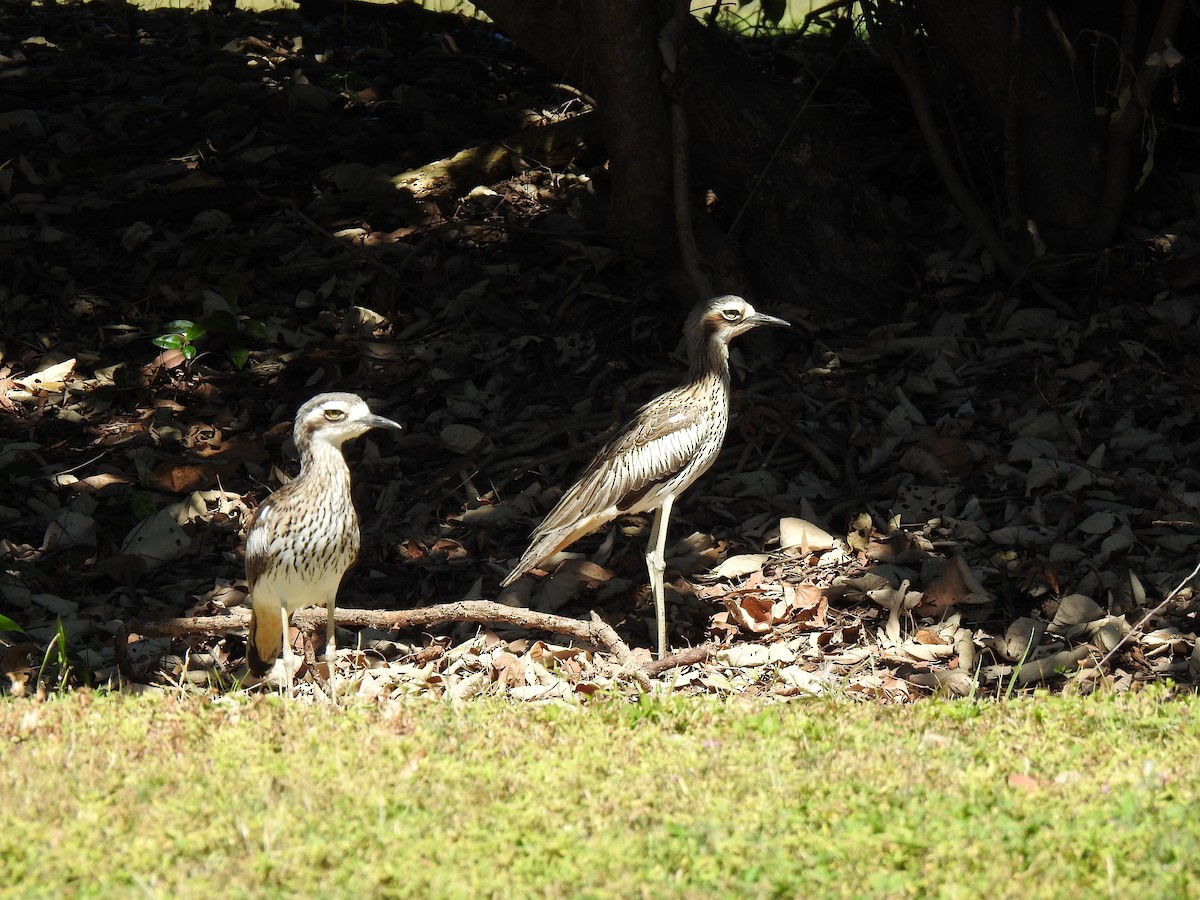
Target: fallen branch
595,632
687,657
1140,626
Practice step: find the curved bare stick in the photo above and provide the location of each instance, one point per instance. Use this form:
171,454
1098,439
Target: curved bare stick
595,632
619,649
686,657
1140,626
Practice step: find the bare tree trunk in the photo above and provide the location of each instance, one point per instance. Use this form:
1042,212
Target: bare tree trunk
1070,84
622,46
807,219
1058,162
812,227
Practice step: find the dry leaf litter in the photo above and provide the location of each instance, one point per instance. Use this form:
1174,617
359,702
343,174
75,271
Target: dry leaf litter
986,495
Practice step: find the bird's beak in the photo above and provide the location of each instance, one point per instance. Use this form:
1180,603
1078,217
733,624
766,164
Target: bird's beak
763,319
380,422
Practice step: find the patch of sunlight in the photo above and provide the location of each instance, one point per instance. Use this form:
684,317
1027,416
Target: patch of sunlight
793,16
668,797
460,6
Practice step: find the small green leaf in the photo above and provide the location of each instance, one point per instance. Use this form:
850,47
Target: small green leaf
189,351
179,325
168,341
7,624
255,328
239,355
195,331
143,505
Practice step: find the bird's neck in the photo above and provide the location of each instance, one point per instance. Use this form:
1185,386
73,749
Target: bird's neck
321,459
708,358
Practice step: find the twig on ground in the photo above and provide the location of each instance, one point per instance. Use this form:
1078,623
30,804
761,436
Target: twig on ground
621,651
595,632
687,657
1137,629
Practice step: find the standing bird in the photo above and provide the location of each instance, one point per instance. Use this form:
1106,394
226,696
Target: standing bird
669,443
305,536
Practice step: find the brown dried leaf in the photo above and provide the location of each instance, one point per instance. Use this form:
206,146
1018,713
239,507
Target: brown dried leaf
509,670
899,546
751,612
808,603
52,377
1075,611
175,479
957,585
741,565
1027,783
802,534
953,453
17,663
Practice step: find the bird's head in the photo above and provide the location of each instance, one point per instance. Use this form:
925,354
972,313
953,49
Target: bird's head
724,318
335,419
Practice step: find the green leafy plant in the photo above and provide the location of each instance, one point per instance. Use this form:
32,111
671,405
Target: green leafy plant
58,664
765,17
181,335
57,659
222,318
143,505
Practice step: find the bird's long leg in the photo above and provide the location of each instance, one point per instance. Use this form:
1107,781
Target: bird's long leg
287,646
331,649
656,565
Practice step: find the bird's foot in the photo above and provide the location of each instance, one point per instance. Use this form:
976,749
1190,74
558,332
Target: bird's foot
282,674
330,667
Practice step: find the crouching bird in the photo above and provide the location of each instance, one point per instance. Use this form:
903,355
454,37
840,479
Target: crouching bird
669,443
305,536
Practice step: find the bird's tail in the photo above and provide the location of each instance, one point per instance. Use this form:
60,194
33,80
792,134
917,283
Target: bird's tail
542,548
264,641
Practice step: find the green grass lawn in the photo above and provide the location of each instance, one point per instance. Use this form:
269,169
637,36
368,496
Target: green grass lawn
1044,796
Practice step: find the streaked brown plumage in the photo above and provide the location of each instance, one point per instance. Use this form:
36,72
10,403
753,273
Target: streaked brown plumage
669,443
305,536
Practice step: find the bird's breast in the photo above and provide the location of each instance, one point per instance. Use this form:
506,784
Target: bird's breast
304,539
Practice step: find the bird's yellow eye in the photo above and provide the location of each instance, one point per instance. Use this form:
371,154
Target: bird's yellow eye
731,314
335,415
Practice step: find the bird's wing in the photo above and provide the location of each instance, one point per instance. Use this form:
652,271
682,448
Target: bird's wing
656,444
263,533
258,542
665,437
